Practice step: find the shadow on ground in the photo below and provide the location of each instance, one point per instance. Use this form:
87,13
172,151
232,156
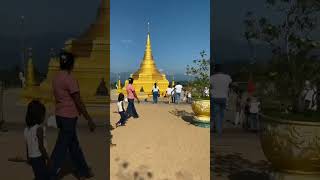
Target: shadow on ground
184,115
144,173
66,169
124,172
235,167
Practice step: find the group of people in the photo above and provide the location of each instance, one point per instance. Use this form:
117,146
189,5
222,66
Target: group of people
177,94
247,111
68,107
173,95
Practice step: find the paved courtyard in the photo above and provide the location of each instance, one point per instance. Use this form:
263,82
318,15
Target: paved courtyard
237,154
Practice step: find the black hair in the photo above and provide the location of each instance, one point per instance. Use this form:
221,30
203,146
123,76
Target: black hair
35,113
169,86
66,61
121,97
130,80
155,85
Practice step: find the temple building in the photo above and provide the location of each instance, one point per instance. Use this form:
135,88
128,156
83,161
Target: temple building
92,63
148,74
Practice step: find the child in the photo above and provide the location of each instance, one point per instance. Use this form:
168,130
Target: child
168,93
254,114
173,95
185,96
121,111
34,135
189,97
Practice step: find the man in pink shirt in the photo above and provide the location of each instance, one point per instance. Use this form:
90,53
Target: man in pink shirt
64,85
131,94
68,107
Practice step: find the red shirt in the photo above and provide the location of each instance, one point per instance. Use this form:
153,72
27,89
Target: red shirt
251,87
64,84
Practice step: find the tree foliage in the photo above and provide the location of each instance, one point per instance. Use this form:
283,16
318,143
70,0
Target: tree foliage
200,71
292,42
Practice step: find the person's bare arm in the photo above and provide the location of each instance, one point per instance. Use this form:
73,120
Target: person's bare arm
80,105
82,109
135,95
41,143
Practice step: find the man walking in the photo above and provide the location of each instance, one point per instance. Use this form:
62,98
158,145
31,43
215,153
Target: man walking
131,110
220,83
178,90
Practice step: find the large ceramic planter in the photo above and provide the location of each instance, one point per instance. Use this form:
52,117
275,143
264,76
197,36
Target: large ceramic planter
201,109
292,147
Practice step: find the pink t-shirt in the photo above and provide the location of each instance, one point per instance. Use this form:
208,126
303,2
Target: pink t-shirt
64,85
130,90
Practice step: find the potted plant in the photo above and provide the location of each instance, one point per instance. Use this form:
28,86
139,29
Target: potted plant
200,71
290,129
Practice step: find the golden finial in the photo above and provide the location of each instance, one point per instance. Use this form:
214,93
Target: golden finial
30,78
119,86
172,80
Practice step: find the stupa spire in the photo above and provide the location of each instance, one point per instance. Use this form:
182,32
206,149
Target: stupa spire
30,79
148,27
148,74
99,29
148,51
148,66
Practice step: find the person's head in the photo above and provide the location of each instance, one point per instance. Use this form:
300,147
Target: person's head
169,86
155,85
121,97
66,61
130,80
35,113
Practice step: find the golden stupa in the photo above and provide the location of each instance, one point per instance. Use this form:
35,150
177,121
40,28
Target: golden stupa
92,52
30,76
148,74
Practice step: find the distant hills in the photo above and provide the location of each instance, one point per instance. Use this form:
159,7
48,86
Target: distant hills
10,49
114,77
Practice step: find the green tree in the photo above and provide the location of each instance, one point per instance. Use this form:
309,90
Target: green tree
291,40
200,71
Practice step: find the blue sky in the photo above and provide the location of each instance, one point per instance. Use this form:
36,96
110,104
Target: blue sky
179,29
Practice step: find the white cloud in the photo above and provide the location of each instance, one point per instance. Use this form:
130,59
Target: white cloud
126,42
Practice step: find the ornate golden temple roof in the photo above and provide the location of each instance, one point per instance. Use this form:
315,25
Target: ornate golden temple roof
97,31
148,67
99,28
